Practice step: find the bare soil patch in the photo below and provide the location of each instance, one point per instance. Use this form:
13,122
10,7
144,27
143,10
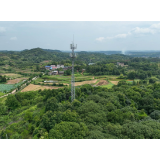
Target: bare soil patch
33,87
13,81
85,82
102,82
11,74
114,82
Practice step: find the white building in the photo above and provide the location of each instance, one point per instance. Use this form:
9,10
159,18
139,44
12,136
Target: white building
60,66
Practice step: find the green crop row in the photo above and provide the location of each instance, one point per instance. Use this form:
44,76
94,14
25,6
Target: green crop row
9,87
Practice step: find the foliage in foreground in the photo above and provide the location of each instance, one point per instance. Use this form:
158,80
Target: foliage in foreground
125,111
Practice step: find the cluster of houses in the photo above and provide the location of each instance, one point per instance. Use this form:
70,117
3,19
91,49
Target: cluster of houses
54,71
121,64
54,67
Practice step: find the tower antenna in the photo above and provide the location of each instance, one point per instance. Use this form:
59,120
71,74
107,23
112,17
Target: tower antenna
73,56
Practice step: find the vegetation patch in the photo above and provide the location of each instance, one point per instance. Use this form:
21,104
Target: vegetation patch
1,94
114,82
8,87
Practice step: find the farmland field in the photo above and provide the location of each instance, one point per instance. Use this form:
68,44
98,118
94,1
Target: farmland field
13,81
8,87
79,80
12,75
64,79
33,87
85,82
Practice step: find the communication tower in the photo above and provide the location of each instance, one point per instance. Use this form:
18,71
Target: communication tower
73,56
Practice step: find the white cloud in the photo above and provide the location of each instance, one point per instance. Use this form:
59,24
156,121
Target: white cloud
109,37
2,30
121,36
156,26
138,30
13,38
100,39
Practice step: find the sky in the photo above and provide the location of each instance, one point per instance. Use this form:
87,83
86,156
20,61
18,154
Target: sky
88,35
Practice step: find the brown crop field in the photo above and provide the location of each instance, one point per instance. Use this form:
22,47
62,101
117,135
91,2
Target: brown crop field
85,82
33,87
13,81
102,82
114,82
12,75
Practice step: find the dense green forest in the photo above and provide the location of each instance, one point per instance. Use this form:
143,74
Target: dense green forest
124,111
2,79
37,55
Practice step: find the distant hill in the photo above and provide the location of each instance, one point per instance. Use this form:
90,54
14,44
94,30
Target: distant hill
9,51
109,52
50,50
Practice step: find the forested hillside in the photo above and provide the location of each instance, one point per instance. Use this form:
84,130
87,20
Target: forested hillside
37,55
125,111
126,106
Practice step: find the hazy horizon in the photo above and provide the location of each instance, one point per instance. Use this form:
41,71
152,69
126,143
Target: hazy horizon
69,50
88,35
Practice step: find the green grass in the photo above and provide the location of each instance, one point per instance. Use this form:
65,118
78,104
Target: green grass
1,94
78,78
136,80
129,81
110,85
97,82
12,75
2,100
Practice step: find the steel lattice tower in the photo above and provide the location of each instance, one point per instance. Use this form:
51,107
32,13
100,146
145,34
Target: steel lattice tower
73,56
